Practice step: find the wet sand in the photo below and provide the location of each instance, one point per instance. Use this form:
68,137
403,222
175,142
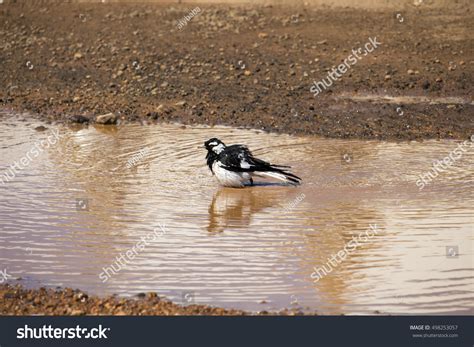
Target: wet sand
243,66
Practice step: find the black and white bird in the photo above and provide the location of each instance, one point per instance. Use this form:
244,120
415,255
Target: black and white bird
235,166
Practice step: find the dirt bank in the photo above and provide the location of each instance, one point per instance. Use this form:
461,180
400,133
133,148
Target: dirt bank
242,66
16,300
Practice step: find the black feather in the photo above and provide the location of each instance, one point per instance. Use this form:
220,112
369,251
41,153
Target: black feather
236,157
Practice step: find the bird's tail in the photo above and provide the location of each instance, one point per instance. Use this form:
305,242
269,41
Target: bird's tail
282,176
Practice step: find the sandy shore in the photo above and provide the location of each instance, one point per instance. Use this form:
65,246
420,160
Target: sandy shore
242,66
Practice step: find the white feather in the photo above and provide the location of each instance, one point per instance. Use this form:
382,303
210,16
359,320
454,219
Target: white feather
275,175
219,148
230,178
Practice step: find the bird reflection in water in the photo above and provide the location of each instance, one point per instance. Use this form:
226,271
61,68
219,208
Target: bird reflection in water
234,208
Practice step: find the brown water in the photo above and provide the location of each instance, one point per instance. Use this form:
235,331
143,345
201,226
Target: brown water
252,248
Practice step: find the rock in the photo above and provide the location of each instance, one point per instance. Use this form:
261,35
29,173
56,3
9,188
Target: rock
388,77
153,115
78,119
410,72
108,118
262,35
164,84
151,295
41,128
78,55
80,297
181,103
76,99
247,73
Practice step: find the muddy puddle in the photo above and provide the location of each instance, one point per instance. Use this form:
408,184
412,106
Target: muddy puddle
87,199
404,100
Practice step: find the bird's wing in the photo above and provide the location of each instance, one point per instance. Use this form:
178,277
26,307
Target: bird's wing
236,158
239,158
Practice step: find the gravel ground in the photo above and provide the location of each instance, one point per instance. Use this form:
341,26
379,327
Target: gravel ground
241,66
16,300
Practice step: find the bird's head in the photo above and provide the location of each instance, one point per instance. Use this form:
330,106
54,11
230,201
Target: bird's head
214,145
